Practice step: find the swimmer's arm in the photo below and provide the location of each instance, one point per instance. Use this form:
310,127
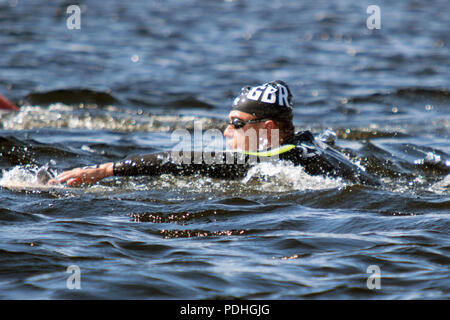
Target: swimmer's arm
152,164
87,175
156,164
223,164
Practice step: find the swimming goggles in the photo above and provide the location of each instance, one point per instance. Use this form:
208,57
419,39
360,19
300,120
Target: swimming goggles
239,123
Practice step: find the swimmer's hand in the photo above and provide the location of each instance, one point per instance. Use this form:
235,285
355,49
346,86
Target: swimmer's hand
86,175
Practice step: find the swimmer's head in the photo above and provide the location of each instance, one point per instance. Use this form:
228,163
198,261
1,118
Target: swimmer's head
261,117
271,100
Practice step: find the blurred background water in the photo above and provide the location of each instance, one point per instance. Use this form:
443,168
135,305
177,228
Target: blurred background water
138,70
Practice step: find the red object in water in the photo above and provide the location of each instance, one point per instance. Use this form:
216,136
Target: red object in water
5,104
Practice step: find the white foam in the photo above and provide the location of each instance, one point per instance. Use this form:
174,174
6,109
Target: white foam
20,177
59,115
443,186
284,176
263,177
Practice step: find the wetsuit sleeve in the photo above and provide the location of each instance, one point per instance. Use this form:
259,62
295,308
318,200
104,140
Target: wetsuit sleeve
214,164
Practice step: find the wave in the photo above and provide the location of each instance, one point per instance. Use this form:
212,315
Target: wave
412,93
63,116
70,96
442,186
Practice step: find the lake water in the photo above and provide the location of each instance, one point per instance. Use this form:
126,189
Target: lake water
136,71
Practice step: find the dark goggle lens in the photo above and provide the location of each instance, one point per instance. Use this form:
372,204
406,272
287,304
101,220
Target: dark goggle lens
237,123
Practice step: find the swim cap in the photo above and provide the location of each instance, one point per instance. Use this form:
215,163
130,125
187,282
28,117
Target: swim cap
271,100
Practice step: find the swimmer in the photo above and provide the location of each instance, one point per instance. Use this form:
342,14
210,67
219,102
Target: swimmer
260,128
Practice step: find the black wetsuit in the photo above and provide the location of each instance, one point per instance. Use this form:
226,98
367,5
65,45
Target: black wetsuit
317,158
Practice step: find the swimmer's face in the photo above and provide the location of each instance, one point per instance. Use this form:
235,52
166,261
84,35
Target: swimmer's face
252,136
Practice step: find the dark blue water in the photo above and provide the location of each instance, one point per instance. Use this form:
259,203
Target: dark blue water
138,70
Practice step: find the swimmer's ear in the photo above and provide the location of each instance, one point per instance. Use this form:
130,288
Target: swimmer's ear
270,124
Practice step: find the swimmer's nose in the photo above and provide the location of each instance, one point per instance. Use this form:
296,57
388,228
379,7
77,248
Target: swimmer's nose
228,133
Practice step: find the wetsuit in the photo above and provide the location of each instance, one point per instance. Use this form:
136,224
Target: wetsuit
316,157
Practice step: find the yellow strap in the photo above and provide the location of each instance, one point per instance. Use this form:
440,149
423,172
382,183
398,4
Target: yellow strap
272,152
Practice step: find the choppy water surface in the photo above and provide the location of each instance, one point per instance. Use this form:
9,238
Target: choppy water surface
137,71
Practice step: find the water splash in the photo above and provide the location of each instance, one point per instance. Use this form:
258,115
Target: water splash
442,187
28,177
284,176
263,177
